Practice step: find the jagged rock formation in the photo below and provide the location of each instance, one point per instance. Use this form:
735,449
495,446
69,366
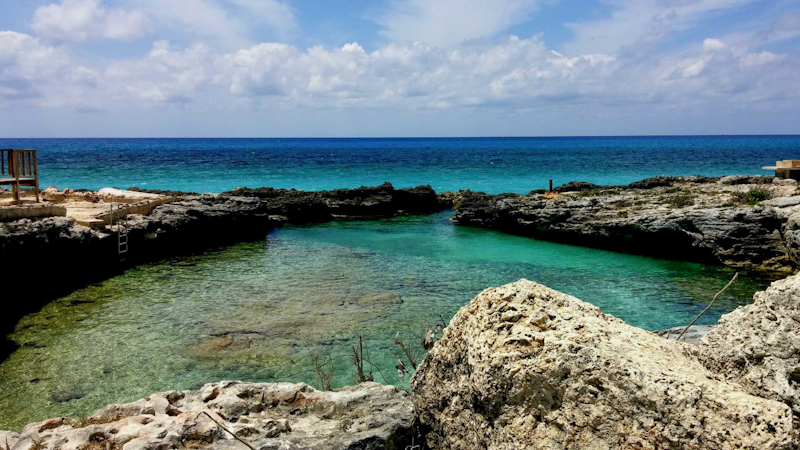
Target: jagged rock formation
368,202
524,366
267,416
724,220
758,345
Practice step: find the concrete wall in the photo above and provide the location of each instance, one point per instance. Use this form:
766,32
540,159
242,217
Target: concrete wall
8,213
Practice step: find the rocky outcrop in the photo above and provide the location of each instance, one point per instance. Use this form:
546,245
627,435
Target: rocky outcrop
758,345
363,202
265,416
524,366
725,220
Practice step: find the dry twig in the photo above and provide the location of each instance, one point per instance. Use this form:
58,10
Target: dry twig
323,376
735,276
358,360
411,358
229,431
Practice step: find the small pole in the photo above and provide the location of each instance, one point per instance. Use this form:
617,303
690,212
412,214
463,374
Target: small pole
551,185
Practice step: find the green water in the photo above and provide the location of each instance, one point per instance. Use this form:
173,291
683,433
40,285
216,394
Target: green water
256,311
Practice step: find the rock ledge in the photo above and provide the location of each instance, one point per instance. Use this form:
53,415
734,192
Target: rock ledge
266,415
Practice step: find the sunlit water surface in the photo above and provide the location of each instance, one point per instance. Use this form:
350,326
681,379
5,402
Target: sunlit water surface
256,311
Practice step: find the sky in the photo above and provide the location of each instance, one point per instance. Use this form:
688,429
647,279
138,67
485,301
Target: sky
358,68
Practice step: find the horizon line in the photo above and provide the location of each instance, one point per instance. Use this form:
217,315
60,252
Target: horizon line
416,137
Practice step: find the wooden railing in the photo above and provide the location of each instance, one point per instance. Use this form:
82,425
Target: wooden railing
19,167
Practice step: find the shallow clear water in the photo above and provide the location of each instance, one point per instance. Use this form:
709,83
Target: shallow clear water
491,165
255,311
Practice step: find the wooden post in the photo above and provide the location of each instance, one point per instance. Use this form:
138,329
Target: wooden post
551,185
36,175
14,165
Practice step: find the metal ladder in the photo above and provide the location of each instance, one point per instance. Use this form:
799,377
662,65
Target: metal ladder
122,229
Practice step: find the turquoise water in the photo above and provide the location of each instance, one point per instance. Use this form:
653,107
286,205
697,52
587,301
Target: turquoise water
490,165
257,311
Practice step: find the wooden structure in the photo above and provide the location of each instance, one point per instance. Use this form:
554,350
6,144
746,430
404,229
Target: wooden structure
788,168
18,167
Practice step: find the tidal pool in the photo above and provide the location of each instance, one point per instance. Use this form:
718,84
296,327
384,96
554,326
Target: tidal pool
257,311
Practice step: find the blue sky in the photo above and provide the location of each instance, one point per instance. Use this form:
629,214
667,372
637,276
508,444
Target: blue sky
398,67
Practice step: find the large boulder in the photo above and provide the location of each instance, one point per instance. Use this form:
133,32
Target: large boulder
758,345
265,415
524,366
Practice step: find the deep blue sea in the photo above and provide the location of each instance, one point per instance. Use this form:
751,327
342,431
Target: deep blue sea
491,165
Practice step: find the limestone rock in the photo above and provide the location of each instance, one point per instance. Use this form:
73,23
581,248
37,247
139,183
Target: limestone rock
266,415
758,345
524,366
746,179
694,336
683,218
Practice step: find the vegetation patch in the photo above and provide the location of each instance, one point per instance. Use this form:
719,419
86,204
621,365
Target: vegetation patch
597,192
681,199
752,197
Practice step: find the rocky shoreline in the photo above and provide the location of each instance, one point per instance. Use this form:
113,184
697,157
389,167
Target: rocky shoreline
51,257
745,222
233,415
520,366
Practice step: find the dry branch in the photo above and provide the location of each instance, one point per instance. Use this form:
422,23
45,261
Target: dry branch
735,276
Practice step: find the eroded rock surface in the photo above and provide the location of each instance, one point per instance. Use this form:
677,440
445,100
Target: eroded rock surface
693,336
727,220
524,366
758,345
265,415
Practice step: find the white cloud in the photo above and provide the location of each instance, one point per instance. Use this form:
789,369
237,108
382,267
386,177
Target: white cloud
641,22
508,77
711,45
206,20
694,68
785,27
165,76
80,20
25,62
759,59
219,21
449,22
276,14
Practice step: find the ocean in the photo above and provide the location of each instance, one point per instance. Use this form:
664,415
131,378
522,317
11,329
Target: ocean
259,311
492,165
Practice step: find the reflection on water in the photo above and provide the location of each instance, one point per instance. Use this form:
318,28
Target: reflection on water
256,311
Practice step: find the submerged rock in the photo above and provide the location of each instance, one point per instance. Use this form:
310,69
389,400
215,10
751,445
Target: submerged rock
524,366
758,345
266,415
